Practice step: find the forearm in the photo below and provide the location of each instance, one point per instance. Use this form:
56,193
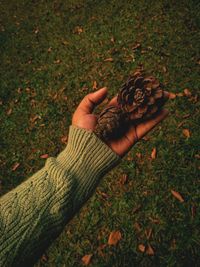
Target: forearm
34,213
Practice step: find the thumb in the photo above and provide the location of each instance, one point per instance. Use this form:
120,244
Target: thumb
91,100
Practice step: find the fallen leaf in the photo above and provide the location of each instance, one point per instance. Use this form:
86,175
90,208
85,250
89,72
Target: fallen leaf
86,259
110,59
9,111
179,94
177,195
136,46
124,179
114,238
104,195
44,156
78,30
44,258
193,211
57,61
94,87
19,90
180,124
164,69
173,243
187,92
197,156
149,250
137,227
33,119
141,248
112,39
153,153
186,133
186,116
15,166
148,233
64,139
172,95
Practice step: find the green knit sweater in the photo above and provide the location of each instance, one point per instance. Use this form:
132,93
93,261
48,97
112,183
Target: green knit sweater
33,214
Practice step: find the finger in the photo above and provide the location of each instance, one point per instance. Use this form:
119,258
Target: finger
143,128
90,101
113,101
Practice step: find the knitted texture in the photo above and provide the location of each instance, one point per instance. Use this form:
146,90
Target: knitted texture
33,214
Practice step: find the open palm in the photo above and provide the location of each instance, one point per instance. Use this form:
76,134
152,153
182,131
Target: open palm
84,118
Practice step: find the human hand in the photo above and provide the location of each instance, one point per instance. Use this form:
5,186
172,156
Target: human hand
84,118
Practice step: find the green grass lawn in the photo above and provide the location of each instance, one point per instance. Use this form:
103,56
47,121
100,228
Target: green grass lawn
51,54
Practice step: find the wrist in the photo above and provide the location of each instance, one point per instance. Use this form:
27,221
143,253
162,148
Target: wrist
87,159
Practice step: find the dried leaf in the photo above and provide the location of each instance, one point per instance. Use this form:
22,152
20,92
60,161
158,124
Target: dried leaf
149,250
179,94
164,69
173,243
136,46
110,59
154,220
86,259
94,87
44,258
57,61
36,31
172,95
187,92
124,179
141,248
114,238
44,156
112,39
186,133
64,139
177,195
102,194
148,233
153,153
9,111
137,227
180,124
15,166
78,30
186,116
33,119
193,211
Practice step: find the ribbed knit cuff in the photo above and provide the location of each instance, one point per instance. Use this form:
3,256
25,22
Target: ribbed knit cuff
87,159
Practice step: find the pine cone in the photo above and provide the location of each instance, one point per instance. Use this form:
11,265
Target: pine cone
110,123
141,96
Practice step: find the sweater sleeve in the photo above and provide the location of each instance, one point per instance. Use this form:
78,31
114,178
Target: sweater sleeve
33,214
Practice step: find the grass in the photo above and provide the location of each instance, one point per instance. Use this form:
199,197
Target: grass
51,54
